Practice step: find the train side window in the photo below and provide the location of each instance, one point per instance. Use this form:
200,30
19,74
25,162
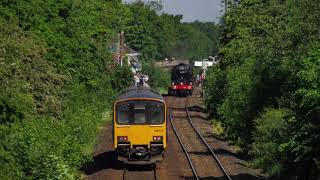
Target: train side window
123,115
156,111
140,114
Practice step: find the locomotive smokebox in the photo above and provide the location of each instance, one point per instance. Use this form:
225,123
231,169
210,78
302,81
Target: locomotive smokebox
181,80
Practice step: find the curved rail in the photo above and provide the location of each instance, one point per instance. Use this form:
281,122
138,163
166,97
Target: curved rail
184,149
206,144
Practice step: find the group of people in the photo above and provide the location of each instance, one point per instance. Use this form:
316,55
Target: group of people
140,79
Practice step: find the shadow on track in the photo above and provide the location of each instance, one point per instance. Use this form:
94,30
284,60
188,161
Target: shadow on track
106,160
197,109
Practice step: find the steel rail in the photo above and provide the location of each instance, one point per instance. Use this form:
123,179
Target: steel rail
154,172
125,172
183,147
206,144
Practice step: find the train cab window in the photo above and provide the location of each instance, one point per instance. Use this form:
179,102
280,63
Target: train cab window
156,113
140,113
123,113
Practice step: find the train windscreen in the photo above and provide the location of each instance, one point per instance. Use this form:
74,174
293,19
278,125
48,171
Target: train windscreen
140,112
123,113
156,113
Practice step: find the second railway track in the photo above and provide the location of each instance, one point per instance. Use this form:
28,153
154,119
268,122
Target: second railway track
202,159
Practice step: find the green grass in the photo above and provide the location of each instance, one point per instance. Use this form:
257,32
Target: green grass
106,119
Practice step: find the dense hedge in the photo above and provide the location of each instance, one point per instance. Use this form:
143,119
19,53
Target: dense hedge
55,84
266,87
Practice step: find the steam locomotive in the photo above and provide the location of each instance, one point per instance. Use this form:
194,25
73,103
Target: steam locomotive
181,80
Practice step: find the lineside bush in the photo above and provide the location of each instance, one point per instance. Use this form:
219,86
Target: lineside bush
272,131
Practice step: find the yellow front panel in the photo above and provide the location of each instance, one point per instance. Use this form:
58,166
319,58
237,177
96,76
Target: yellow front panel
140,134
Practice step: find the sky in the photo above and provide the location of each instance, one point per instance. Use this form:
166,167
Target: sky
192,10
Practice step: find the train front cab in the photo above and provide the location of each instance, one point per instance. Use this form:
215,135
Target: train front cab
140,135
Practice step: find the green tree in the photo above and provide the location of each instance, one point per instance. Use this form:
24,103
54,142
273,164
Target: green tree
272,131
269,59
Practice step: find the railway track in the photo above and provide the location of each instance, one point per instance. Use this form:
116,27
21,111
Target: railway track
201,158
139,174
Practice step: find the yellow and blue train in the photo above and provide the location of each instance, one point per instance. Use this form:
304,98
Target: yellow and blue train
140,126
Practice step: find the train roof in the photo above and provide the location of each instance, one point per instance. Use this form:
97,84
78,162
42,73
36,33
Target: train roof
139,92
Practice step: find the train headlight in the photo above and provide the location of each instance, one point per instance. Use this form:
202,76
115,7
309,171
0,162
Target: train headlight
122,138
157,138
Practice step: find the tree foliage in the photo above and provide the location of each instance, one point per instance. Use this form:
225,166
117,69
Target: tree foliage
269,54
54,84
159,35
272,130
158,78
